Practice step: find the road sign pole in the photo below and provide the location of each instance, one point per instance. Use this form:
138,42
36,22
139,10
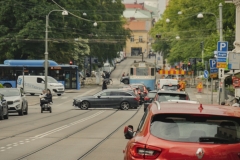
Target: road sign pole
211,90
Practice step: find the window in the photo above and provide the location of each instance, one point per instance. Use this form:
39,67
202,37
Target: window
152,71
170,96
151,94
140,39
7,74
124,94
131,71
114,94
39,80
196,128
141,71
132,39
105,94
170,87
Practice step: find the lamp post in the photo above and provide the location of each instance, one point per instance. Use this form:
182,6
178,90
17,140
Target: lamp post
64,12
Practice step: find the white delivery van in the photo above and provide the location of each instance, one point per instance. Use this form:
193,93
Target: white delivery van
167,82
35,85
107,67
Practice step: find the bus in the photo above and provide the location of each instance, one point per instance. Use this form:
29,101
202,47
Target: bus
68,75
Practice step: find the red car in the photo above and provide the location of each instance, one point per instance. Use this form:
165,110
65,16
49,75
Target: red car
185,131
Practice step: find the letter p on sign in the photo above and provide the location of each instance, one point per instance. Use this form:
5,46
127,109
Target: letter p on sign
222,46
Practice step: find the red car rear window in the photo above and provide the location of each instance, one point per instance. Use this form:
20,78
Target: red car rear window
196,128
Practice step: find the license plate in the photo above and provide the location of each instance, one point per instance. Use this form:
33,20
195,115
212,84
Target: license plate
60,89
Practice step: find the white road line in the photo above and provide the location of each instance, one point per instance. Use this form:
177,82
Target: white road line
51,131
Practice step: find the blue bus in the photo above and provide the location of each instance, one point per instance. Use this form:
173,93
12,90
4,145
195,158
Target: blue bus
143,72
68,75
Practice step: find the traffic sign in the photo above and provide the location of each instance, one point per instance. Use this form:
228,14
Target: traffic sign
213,70
221,59
213,63
222,46
205,74
221,73
221,54
213,75
221,65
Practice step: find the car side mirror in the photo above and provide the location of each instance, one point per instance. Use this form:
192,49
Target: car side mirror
4,100
128,132
98,96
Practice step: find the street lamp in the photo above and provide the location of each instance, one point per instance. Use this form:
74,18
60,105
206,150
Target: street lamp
64,13
95,24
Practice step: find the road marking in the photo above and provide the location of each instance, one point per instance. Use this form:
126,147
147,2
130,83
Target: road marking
52,131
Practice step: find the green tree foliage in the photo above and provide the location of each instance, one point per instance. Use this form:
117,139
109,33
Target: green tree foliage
192,30
23,23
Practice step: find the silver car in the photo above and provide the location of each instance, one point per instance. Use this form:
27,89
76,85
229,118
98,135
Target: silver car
16,100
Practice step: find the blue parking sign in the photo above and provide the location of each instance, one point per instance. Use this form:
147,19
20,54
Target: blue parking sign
213,63
222,46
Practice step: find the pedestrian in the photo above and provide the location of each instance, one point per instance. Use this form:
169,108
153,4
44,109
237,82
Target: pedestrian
104,85
235,103
123,75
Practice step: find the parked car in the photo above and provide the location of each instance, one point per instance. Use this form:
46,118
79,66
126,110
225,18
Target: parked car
163,95
179,130
16,100
3,108
114,98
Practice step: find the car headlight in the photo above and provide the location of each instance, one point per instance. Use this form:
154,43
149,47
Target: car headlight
16,101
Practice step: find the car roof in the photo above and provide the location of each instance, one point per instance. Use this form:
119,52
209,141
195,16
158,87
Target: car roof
153,91
170,91
194,108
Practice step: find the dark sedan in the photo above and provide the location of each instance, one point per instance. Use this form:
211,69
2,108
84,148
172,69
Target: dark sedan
3,108
113,98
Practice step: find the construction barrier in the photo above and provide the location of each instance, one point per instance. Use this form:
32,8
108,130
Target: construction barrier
173,71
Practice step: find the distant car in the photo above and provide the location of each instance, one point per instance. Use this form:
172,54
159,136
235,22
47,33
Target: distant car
125,79
16,100
3,108
185,131
170,87
149,98
162,95
113,98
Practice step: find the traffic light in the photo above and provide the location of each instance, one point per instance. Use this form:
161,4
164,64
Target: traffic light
70,62
158,36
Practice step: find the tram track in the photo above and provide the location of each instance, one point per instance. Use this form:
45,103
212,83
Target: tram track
107,137
44,125
65,137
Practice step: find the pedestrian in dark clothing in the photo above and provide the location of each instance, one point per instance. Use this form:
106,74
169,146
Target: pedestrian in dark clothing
107,75
104,85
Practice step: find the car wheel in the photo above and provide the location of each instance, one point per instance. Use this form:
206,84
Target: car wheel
1,115
7,85
26,111
6,116
20,112
124,105
59,94
32,94
84,105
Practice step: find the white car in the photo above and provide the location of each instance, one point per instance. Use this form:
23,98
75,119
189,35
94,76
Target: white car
16,100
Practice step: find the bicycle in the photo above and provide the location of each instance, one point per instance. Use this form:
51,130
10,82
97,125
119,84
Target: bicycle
109,81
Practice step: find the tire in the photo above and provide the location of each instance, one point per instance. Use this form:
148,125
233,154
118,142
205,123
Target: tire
32,94
59,94
7,85
84,105
126,81
50,109
20,113
124,105
6,116
26,111
1,115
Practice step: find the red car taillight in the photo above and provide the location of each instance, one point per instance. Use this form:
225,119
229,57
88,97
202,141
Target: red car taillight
187,98
142,151
136,99
146,98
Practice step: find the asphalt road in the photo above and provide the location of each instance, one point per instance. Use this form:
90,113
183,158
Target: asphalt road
70,133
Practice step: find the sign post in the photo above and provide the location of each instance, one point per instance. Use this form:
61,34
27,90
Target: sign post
206,75
213,74
222,49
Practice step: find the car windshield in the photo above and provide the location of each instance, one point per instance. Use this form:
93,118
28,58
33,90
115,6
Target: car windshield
52,80
151,94
10,92
170,87
196,128
171,96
